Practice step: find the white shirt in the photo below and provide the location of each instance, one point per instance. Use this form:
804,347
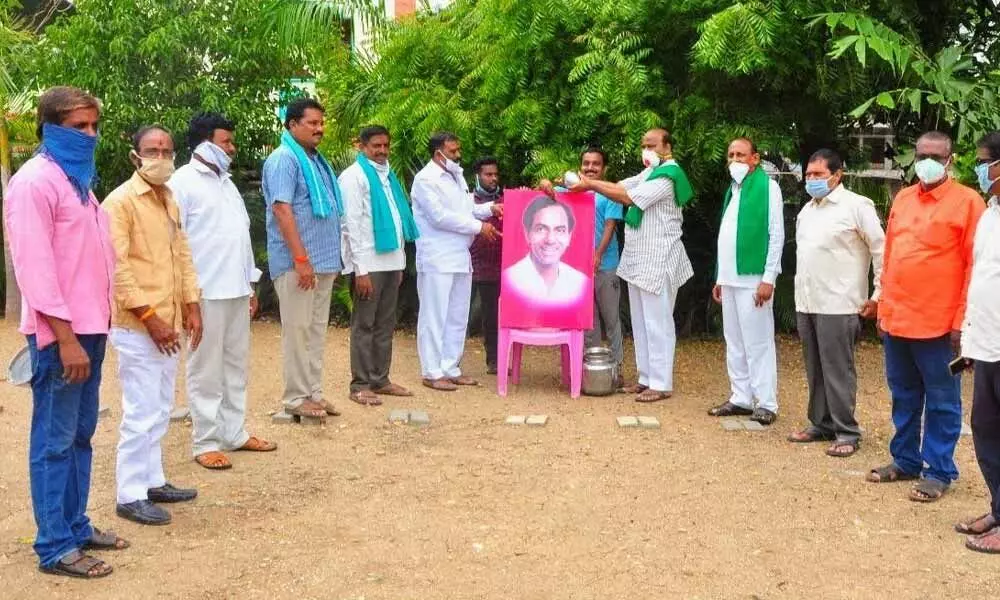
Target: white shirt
837,238
981,328
654,256
728,274
523,278
218,229
359,251
447,218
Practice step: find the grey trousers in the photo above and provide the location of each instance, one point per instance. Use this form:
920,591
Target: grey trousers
373,322
607,298
828,346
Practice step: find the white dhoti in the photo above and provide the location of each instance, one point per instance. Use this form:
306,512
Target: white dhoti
442,322
654,336
750,352
147,378
217,377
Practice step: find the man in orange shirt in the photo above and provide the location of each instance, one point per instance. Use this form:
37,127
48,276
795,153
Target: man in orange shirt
925,275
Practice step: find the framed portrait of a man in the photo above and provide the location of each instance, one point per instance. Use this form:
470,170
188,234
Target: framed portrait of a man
547,277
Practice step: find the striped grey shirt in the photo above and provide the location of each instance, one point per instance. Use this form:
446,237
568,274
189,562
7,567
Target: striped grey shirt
654,256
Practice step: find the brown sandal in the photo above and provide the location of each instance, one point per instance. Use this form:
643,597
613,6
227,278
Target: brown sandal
308,408
78,564
255,444
105,540
635,388
393,389
463,380
365,398
441,385
651,395
969,528
214,461
842,449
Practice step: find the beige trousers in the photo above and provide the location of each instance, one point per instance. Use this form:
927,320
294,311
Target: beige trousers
305,315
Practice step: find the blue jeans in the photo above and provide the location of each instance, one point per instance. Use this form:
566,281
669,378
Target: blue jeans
924,392
63,420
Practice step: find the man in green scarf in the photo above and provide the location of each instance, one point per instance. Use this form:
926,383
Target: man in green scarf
653,262
751,237
377,224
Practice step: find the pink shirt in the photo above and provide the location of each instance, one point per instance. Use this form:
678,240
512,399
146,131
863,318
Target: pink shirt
61,249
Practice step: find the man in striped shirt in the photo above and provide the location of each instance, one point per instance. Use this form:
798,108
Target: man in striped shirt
653,262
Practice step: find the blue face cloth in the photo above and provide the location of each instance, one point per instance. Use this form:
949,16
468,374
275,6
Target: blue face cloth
73,151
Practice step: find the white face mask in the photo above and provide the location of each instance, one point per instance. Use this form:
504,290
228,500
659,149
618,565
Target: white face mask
738,171
215,155
930,171
650,158
451,166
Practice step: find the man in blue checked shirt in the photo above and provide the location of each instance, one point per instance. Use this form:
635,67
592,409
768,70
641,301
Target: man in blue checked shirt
304,252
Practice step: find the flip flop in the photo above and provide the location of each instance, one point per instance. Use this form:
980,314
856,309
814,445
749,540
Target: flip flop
965,527
214,461
832,450
393,389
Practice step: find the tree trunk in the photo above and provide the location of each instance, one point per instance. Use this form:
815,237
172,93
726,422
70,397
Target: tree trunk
12,302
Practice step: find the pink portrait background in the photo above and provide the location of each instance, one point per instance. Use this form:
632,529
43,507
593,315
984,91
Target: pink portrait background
522,312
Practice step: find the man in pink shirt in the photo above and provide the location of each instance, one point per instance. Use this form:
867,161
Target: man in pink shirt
64,263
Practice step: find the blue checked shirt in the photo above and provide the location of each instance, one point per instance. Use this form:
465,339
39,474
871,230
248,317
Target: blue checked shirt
283,182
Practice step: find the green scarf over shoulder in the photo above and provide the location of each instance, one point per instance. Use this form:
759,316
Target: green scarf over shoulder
752,223
683,192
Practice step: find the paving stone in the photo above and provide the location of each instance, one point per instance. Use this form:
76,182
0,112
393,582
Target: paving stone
966,430
537,420
515,420
732,425
628,422
281,417
399,416
753,426
649,423
419,417
179,414
315,421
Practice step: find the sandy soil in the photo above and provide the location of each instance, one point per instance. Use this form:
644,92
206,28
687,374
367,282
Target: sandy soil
471,508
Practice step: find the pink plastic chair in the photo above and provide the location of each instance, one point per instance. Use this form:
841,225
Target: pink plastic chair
510,342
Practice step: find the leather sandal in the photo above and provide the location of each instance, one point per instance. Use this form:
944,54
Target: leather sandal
255,444
393,389
214,461
463,380
78,564
308,408
441,385
105,540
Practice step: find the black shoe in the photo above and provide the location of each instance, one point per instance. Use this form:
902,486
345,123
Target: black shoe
143,512
764,416
728,409
491,369
168,493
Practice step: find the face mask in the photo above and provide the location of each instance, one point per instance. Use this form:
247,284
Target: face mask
650,158
818,188
215,155
155,170
929,171
738,171
983,174
451,166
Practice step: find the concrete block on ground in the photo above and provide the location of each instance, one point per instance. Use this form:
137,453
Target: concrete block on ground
537,420
732,425
419,417
627,421
515,420
179,414
649,423
309,420
753,426
281,418
399,416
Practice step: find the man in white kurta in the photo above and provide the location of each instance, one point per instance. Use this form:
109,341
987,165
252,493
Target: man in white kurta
746,293
448,220
215,218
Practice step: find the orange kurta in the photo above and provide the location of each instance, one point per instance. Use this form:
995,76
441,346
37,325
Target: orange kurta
928,260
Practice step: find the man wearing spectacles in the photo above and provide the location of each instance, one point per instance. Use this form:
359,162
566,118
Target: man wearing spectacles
925,273
156,295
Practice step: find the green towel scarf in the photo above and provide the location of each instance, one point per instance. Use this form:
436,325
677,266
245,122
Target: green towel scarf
683,192
384,226
752,223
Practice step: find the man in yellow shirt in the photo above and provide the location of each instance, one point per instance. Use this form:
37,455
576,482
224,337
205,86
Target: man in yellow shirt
156,295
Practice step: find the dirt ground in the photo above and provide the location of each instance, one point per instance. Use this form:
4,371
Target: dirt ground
471,508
